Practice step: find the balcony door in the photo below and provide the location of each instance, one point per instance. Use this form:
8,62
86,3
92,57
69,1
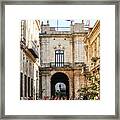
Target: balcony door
59,58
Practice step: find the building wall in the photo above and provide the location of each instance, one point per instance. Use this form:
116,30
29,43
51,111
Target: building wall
50,44
92,47
29,58
74,54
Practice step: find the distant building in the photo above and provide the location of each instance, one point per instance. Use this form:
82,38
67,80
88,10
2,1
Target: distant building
62,57
29,59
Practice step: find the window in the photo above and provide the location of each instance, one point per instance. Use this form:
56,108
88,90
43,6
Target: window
25,85
59,58
28,86
21,84
31,87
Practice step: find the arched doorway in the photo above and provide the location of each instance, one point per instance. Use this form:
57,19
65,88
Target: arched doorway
60,84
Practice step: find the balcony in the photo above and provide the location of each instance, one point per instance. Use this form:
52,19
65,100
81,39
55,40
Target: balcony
62,65
59,65
33,49
56,65
45,65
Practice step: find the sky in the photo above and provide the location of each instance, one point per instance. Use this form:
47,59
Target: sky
65,23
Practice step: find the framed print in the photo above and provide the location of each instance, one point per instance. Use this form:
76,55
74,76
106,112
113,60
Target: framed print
60,60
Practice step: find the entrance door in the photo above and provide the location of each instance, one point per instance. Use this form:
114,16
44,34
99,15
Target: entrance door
60,85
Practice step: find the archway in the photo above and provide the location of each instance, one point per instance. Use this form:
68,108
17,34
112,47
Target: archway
60,83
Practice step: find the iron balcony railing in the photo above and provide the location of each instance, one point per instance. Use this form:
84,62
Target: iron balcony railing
62,64
55,64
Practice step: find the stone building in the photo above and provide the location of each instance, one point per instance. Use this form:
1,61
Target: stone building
29,59
62,57
92,48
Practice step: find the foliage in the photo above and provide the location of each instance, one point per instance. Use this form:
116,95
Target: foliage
90,91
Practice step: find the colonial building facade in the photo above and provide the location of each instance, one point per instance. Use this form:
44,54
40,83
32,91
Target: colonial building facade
92,48
29,58
62,57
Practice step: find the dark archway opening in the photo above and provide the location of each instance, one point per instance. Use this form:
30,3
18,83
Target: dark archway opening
60,79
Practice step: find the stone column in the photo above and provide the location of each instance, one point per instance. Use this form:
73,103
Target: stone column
37,88
48,85
77,83
43,86
71,87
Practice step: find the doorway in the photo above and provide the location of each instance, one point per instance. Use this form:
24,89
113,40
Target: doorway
60,85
